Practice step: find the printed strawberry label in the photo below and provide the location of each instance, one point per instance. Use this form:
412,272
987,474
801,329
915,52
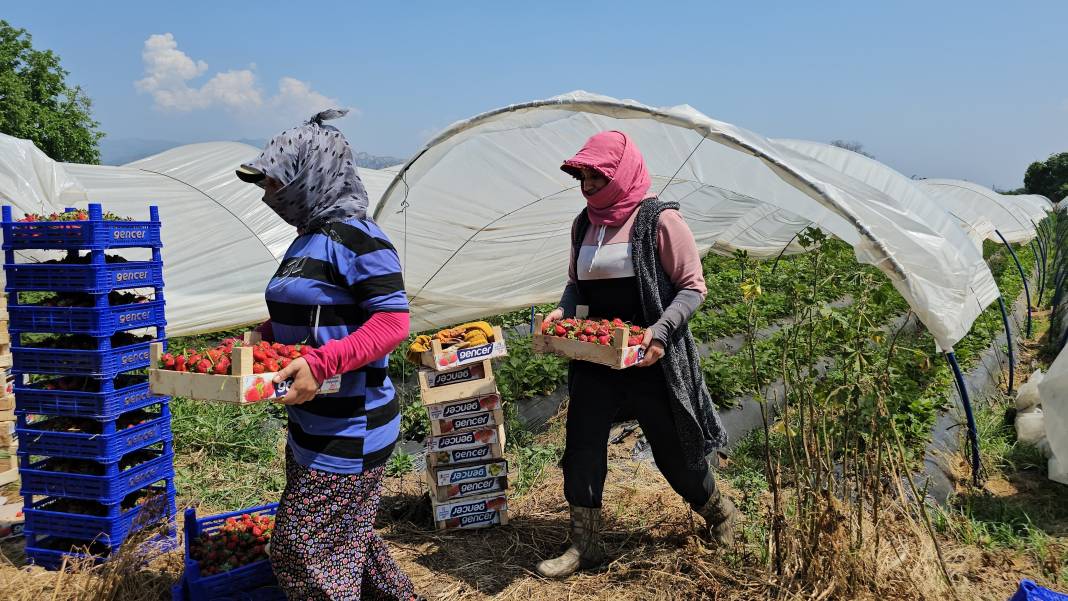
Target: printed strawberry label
261,387
471,473
632,355
463,455
478,487
469,422
462,440
463,407
478,520
447,511
457,357
466,374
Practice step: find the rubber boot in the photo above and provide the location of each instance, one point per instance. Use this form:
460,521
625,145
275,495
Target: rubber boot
586,550
721,516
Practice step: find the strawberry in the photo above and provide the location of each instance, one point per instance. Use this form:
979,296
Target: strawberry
257,368
583,338
635,330
605,340
252,395
561,331
203,366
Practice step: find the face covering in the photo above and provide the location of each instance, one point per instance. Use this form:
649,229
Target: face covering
614,155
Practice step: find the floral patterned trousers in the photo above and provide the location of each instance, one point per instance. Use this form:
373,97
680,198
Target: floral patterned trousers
324,546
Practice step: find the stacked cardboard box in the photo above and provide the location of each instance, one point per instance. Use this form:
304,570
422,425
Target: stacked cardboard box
466,471
8,442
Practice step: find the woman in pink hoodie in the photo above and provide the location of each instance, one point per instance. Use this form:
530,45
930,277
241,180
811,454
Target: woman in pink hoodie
633,257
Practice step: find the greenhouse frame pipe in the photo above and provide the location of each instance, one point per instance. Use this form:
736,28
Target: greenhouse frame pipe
973,434
1008,339
1023,278
1040,260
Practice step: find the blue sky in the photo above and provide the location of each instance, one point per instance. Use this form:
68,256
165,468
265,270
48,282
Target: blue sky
973,90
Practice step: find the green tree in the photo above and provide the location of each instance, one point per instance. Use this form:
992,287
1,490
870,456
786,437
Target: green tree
1049,178
37,104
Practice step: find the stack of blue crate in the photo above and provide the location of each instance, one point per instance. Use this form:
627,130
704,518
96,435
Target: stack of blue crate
95,455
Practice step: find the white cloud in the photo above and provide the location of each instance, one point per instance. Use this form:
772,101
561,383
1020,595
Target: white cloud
169,73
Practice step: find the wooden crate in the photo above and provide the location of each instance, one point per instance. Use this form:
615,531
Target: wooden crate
616,355
465,447
7,416
440,359
469,480
7,434
461,407
7,402
463,383
475,512
460,423
242,387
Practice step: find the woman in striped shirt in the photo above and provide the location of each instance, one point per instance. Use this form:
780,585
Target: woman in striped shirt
339,290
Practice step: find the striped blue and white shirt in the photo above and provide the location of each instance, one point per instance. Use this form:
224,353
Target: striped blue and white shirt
328,285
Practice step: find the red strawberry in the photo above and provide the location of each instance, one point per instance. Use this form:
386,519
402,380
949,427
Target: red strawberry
635,330
257,368
561,331
605,340
583,338
258,355
546,328
203,366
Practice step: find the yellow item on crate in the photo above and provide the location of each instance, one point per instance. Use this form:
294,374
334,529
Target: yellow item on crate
465,335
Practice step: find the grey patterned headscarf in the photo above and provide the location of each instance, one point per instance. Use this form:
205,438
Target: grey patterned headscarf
315,165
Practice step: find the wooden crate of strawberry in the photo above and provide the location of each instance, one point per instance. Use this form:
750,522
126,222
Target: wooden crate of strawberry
454,347
236,371
614,343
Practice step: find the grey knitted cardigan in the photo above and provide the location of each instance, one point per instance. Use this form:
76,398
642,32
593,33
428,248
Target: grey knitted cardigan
698,424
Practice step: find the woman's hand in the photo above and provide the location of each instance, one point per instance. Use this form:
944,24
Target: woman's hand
556,315
304,386
654,350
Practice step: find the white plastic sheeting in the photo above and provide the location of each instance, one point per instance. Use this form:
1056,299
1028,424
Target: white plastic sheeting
1013,216
983,289
221,243
487,211
1054,393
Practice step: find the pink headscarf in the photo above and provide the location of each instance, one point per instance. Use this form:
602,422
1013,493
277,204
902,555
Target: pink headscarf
615,156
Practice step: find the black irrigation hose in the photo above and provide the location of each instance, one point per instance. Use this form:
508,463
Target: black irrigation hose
1008,338
973,433
1023,277
1039,271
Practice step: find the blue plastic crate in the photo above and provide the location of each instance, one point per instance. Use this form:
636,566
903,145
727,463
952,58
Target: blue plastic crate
106,489
226,585
94,321
70,362
93,233
105,448
35,399
62,277
39,551
110,530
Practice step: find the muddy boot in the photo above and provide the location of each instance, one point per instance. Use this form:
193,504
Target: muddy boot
585,550
721,516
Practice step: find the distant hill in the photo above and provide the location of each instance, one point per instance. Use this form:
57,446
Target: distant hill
126,150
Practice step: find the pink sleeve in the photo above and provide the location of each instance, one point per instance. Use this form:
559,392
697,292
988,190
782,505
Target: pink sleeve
265,330
678,253
375,339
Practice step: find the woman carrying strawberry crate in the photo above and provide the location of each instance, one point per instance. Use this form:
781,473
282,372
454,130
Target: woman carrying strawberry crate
634,258
339,290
